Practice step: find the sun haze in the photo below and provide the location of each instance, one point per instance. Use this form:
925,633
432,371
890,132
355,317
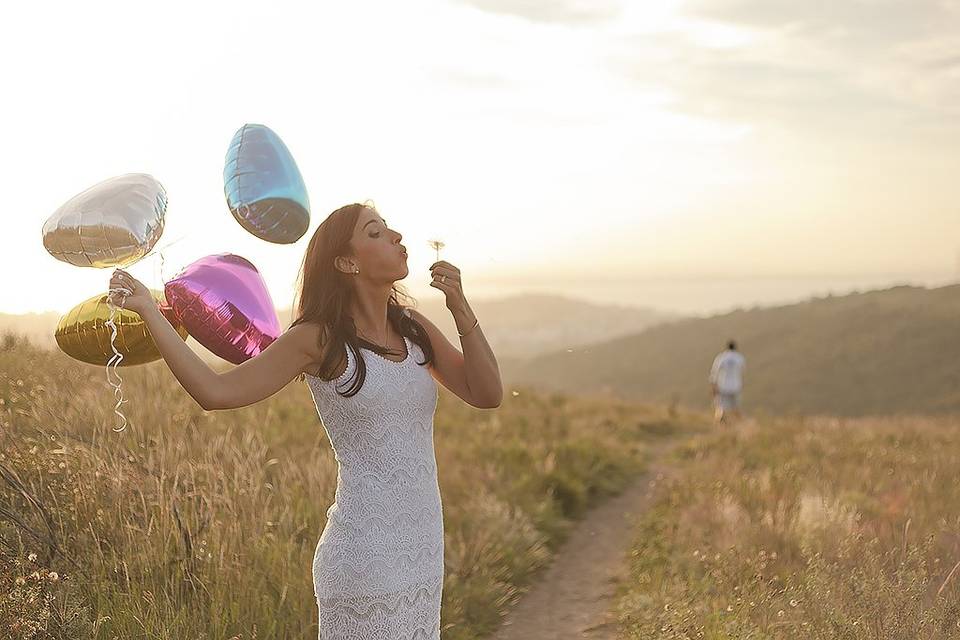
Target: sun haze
687,155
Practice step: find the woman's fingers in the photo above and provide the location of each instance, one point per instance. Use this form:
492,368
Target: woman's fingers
443,271
123,279
445,264
445,288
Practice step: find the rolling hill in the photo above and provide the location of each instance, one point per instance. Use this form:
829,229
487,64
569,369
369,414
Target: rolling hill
532,324
890,351
516,327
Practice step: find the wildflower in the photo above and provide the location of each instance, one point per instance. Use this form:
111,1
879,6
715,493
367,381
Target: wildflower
32,557
436,245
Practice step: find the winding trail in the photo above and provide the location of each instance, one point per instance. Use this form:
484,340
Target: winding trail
574,595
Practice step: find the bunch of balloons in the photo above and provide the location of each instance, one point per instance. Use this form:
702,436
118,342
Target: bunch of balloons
220,300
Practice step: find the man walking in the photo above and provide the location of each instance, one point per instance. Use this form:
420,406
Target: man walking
726,383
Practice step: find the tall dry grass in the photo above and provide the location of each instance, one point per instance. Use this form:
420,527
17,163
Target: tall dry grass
203,525
817,528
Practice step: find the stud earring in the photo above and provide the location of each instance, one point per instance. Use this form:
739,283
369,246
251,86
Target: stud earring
355,270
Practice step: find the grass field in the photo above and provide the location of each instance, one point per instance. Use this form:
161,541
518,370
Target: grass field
203,525
815,528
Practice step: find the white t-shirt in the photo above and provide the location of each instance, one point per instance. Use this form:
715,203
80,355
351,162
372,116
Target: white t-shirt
727,371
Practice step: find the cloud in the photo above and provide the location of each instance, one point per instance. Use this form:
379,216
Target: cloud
850,65
569,12
864,21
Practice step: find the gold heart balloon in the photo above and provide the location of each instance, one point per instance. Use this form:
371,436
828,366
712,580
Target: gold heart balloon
83,333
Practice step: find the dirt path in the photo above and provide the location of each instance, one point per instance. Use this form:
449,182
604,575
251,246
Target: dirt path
573,597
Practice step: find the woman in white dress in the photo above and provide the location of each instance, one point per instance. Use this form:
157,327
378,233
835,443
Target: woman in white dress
371,364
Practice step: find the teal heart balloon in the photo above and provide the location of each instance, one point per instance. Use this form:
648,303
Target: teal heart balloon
263,186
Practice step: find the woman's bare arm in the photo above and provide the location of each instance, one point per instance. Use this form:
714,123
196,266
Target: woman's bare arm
247,383
473,375
196,377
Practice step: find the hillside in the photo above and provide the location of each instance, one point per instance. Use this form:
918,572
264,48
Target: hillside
213,516
516,326
879,352
533,324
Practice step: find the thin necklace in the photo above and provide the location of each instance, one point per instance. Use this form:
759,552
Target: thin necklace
376,343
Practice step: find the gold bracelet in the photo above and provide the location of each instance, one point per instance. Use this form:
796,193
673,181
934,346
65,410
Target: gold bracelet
470,329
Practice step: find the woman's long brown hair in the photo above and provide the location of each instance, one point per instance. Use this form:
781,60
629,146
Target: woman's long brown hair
325,292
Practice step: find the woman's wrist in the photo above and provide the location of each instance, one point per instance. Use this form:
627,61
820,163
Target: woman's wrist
475,325
151,310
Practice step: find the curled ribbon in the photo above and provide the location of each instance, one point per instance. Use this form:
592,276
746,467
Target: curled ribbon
116,358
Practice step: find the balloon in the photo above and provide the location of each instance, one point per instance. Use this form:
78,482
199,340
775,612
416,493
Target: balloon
223,302
263,186
113,223
82,333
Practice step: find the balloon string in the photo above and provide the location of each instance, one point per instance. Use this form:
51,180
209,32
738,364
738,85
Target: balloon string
117,392
160,249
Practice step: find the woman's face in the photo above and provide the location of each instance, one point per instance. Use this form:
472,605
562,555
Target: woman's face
377,249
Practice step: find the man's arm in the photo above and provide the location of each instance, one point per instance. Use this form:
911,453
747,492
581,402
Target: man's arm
714,370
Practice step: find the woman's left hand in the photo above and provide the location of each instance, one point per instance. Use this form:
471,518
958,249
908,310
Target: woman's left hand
446,277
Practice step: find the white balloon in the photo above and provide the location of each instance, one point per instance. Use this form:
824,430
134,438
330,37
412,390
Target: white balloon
113,223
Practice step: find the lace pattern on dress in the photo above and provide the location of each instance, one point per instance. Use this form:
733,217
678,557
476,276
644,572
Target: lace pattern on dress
378,567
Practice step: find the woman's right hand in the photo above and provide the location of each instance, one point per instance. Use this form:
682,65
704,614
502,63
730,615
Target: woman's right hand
135,297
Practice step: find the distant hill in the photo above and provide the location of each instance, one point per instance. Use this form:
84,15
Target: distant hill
880,352
40,327
531,324
516,327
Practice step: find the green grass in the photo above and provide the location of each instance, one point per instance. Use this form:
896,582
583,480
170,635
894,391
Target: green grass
884,352
203,525
817,528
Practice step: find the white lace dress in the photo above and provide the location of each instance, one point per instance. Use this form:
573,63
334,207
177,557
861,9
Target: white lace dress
378,567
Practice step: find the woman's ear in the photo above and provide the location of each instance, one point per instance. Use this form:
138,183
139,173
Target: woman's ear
342,264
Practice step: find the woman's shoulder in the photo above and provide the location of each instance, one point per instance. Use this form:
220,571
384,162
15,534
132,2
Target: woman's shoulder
310,336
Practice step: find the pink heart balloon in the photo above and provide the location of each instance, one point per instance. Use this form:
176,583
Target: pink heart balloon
224,304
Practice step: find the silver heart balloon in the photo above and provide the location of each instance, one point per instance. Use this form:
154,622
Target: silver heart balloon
264,189
113,223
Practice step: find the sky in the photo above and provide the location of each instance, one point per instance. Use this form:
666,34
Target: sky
689,156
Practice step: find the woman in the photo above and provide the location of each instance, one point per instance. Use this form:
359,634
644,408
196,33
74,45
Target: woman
378,566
